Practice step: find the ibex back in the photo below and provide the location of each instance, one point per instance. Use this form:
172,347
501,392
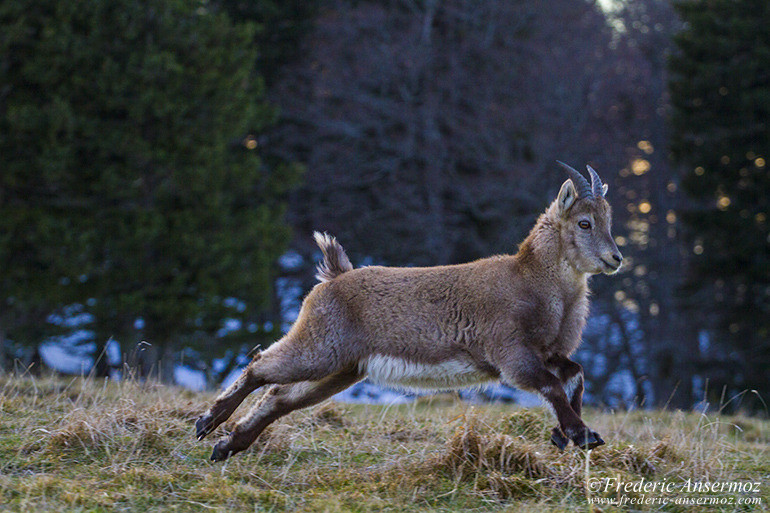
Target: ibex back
514,319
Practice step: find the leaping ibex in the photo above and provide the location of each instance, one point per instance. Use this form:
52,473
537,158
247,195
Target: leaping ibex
511,318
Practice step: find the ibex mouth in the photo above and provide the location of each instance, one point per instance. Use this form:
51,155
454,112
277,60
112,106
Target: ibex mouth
612,267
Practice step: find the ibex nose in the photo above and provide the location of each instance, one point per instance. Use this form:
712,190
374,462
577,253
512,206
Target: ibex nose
617,257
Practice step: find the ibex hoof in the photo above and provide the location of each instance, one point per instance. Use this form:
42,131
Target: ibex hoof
588,440
203,426
558,439
221,451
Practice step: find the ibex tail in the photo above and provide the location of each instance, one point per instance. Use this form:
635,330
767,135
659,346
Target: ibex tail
335,260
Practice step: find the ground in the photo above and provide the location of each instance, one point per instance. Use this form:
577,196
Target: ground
92,445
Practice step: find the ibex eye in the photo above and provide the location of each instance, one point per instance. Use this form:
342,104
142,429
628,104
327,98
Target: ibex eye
584,225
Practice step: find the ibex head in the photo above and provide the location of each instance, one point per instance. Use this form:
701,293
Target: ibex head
585,223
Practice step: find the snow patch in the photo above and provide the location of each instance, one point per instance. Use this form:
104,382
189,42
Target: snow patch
229,325
230,378
114,355
290,261
289,292
191,379
364,392
62,359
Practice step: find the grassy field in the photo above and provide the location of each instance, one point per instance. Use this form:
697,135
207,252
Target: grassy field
91,445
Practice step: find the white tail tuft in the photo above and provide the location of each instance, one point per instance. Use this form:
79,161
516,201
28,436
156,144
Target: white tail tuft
335,260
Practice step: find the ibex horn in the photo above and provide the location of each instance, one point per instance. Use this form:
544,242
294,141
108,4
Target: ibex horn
581,184
596,182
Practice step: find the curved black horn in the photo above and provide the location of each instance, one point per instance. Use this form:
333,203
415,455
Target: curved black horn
578,180
596,182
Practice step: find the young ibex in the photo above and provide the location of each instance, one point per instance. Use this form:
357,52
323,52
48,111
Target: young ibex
510,318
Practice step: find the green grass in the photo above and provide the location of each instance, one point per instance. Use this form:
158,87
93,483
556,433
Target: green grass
90,445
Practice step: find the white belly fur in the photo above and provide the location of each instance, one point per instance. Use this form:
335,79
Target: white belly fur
389,370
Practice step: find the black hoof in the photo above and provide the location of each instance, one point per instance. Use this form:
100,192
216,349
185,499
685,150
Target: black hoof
203,426
558,439
221,451
588,440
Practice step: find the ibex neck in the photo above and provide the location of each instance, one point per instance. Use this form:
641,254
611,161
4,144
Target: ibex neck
543,257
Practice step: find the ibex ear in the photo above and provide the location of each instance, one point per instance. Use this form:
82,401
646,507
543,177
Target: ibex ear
567,196
604,189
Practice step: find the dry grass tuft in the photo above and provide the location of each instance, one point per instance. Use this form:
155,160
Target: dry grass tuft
275,439
510,486
75,433
528,423
631,458
665,450
330,414
470,452
98,421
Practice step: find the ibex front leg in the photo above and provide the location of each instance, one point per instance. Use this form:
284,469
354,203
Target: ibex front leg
526,370
570,374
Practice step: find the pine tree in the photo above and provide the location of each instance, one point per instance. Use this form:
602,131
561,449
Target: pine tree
132,179
280,27
720,91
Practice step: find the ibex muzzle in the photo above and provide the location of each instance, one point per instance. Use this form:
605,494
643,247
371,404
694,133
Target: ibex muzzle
514,319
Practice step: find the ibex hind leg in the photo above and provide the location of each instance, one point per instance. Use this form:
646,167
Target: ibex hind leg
277,402
226,403
285,362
